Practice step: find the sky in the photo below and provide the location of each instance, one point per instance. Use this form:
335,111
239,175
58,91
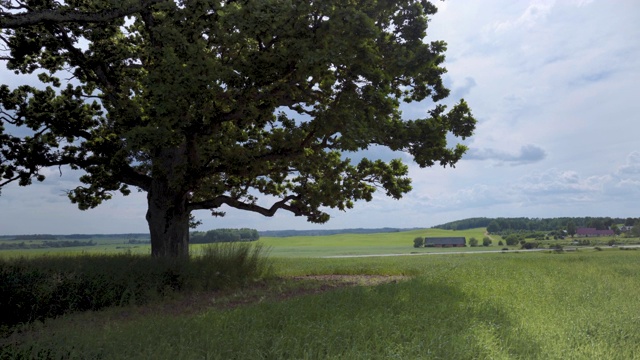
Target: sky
553,85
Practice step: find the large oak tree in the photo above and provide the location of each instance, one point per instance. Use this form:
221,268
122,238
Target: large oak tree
204,104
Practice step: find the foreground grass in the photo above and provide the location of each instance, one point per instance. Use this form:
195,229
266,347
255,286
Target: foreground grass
580,305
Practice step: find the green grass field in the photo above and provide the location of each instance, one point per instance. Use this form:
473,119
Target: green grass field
360,244
512,305
580,305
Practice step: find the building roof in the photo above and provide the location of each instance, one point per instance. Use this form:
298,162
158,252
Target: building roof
445,241
593,231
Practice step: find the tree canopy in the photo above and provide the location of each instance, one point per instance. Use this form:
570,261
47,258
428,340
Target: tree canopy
204,104
571,228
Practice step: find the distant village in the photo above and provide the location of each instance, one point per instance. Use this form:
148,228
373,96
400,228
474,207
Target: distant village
581,232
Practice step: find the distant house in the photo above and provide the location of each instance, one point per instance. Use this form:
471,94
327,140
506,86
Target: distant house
445,242
590,232
625,228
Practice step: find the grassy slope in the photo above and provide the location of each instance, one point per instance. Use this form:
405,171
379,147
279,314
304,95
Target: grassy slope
581,305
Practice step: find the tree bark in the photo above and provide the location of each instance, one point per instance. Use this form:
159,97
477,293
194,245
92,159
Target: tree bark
168,219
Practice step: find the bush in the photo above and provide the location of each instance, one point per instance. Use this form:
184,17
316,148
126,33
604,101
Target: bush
486,241
44,287
500,243
505,249
418,242
473,242
529,245
512,239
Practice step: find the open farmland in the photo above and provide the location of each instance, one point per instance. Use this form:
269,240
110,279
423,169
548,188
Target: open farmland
361,244
100,245
295,246
318,246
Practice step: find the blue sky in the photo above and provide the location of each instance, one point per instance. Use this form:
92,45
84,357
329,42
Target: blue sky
554,86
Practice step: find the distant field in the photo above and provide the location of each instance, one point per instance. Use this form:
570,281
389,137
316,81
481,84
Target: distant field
362,244
102,245
296,246
315,246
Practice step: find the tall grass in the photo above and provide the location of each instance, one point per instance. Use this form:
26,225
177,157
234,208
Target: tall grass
49,286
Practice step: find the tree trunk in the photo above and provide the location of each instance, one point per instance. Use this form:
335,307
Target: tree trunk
168,219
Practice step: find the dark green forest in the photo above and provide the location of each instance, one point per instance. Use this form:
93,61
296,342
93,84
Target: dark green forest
224,235
506,225
46,244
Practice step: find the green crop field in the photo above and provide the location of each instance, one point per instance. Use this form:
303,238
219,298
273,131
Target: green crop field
362,244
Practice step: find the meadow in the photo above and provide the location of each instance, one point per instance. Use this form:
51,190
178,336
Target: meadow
512,305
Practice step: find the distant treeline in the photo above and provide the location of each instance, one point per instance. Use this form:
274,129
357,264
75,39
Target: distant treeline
48,237
224,235
533,224
45,245
107,236
288,233
35,237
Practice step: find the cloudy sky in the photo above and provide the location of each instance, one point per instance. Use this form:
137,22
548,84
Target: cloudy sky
554,86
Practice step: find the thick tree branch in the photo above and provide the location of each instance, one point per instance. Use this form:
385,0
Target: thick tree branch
56,16
227,200
131,177
9,180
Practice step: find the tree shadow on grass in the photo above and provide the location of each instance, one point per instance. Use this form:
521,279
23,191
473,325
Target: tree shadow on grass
421,318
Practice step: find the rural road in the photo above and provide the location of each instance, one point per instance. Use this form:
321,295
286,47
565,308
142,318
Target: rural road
456,252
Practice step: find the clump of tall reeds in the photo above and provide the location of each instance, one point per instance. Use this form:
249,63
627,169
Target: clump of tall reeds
49,286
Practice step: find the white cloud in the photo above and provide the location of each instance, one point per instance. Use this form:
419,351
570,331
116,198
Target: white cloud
526,155
601,193
632,165
532,15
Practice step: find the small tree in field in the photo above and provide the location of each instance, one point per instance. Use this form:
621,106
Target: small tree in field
208,104
512,239
418,242
473,242
486,241
635,230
